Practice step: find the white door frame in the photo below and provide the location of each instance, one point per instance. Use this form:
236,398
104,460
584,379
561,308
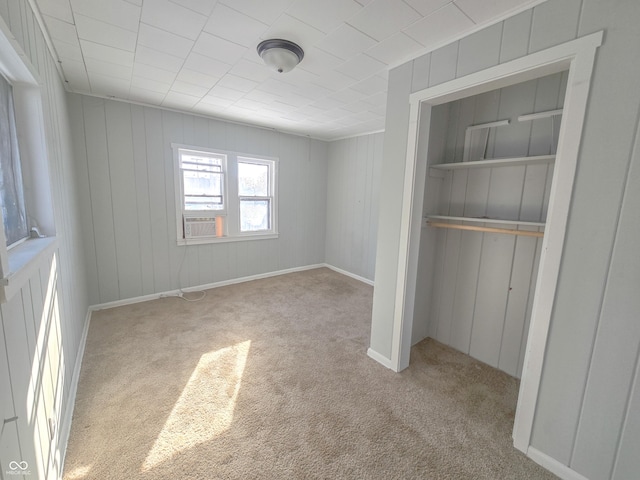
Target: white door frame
578,57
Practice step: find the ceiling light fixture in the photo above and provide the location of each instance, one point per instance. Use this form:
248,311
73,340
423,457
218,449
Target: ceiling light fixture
280,55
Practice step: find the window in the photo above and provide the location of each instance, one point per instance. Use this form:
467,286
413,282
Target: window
224,196
14,216
25,189
255,195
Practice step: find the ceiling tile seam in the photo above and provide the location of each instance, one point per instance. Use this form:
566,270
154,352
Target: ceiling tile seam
105,45
191,9
75,23
463,12
355,28
404,30
192,51
478,27
414,9
73,14
250,16
140,22
134,53
184,61
221,38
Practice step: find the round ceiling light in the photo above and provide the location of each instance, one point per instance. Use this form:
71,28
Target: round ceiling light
280,55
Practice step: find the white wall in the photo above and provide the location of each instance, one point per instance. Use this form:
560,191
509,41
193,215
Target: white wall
124,162
587,416
352,203
42,326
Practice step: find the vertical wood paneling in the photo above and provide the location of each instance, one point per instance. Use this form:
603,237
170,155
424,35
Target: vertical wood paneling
124,201
447,295
36,350
158,212
85,214
587,256
353,178
578,411
515,36
480,50
171,132
483,283
554,23
443,64
129,152
515,316
626,465
9,443
141,182
101,201
614,360
421,67
527,317
466,288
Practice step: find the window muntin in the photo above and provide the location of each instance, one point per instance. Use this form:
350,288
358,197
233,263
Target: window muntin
14,216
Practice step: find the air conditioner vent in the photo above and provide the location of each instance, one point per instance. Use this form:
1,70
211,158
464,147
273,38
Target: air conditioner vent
198,227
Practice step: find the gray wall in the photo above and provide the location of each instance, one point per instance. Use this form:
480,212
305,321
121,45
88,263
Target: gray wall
42,326
125,165
352,203
587,415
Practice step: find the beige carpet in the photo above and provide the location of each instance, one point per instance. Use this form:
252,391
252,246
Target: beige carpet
270,379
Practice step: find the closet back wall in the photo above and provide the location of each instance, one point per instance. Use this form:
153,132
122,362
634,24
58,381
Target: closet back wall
123,153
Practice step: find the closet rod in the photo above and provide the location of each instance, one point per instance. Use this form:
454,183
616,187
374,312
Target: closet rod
474,228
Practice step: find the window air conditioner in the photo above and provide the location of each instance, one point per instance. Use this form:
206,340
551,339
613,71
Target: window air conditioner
198,227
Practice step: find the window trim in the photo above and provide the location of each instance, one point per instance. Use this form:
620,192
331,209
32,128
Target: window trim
231,212
18,263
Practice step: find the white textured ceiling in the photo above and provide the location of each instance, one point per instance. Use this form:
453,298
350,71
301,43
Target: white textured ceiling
200,55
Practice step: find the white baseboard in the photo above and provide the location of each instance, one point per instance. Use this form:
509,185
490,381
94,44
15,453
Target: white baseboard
197,288
223,283
65,427
349,274
553,465
381,359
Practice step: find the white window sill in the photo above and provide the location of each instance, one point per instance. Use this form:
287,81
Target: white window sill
24,261
239,238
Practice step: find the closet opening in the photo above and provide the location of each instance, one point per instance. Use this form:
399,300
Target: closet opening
490,165
489,172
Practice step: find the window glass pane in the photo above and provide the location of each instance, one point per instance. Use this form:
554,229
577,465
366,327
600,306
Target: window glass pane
202,181
254,215
201,162
14,214
253,179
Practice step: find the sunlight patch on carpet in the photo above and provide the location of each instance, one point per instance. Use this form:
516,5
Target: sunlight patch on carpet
78,473
205,407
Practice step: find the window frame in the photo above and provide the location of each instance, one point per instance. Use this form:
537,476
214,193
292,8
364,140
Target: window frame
231,199
15,166
20,260
271,196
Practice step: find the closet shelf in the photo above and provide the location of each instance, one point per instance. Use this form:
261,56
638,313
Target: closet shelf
438,222
496,162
